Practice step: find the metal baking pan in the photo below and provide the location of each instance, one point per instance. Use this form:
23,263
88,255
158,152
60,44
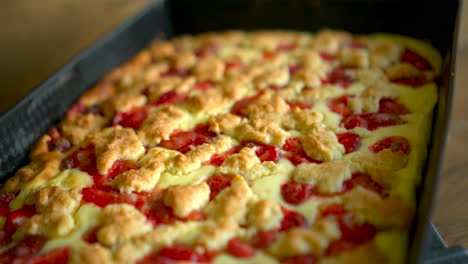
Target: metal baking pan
430,20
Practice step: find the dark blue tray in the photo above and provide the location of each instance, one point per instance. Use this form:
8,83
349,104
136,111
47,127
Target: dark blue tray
434,21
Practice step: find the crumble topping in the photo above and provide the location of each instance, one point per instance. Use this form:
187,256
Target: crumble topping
389,212
231,204
328,176
123,102
55,199
183,199
209,68
119,223
160,124
302,241
43,168
138,180
76,127
94,253
402,70
272,145
115,143
322,144
224,123
261,131
52,224
265,215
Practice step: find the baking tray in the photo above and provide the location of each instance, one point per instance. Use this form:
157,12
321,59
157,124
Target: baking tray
433,21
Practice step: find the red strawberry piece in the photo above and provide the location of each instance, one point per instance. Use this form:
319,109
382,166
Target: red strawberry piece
217,183
218,159
339,105
154,258
183,141
105,195
83,159
339,77
357,233
365,181
5,200
57,142
338,246
352,234
79,108
293,145
170,97
202,86
351,141
239,249
56,256
394,143
414,81
372,121
182,253
131,118
14,219
100,197
268,55
390,106
22,251
158,213
413,58
300,105
296,193
147,90
299,158
286,47
327,56
234,63
54,133
292,219
354,44
293,69
240,105
18,217
90,235
263,151
194,216
333,209
275,87
94,109
210,48
308,259
357,120
60,144
295,153
120,166
416,60
176,253
264,239
351,237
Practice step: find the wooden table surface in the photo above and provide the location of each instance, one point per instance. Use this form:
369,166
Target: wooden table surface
39,36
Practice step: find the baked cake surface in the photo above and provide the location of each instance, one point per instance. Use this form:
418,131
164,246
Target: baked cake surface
233,147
